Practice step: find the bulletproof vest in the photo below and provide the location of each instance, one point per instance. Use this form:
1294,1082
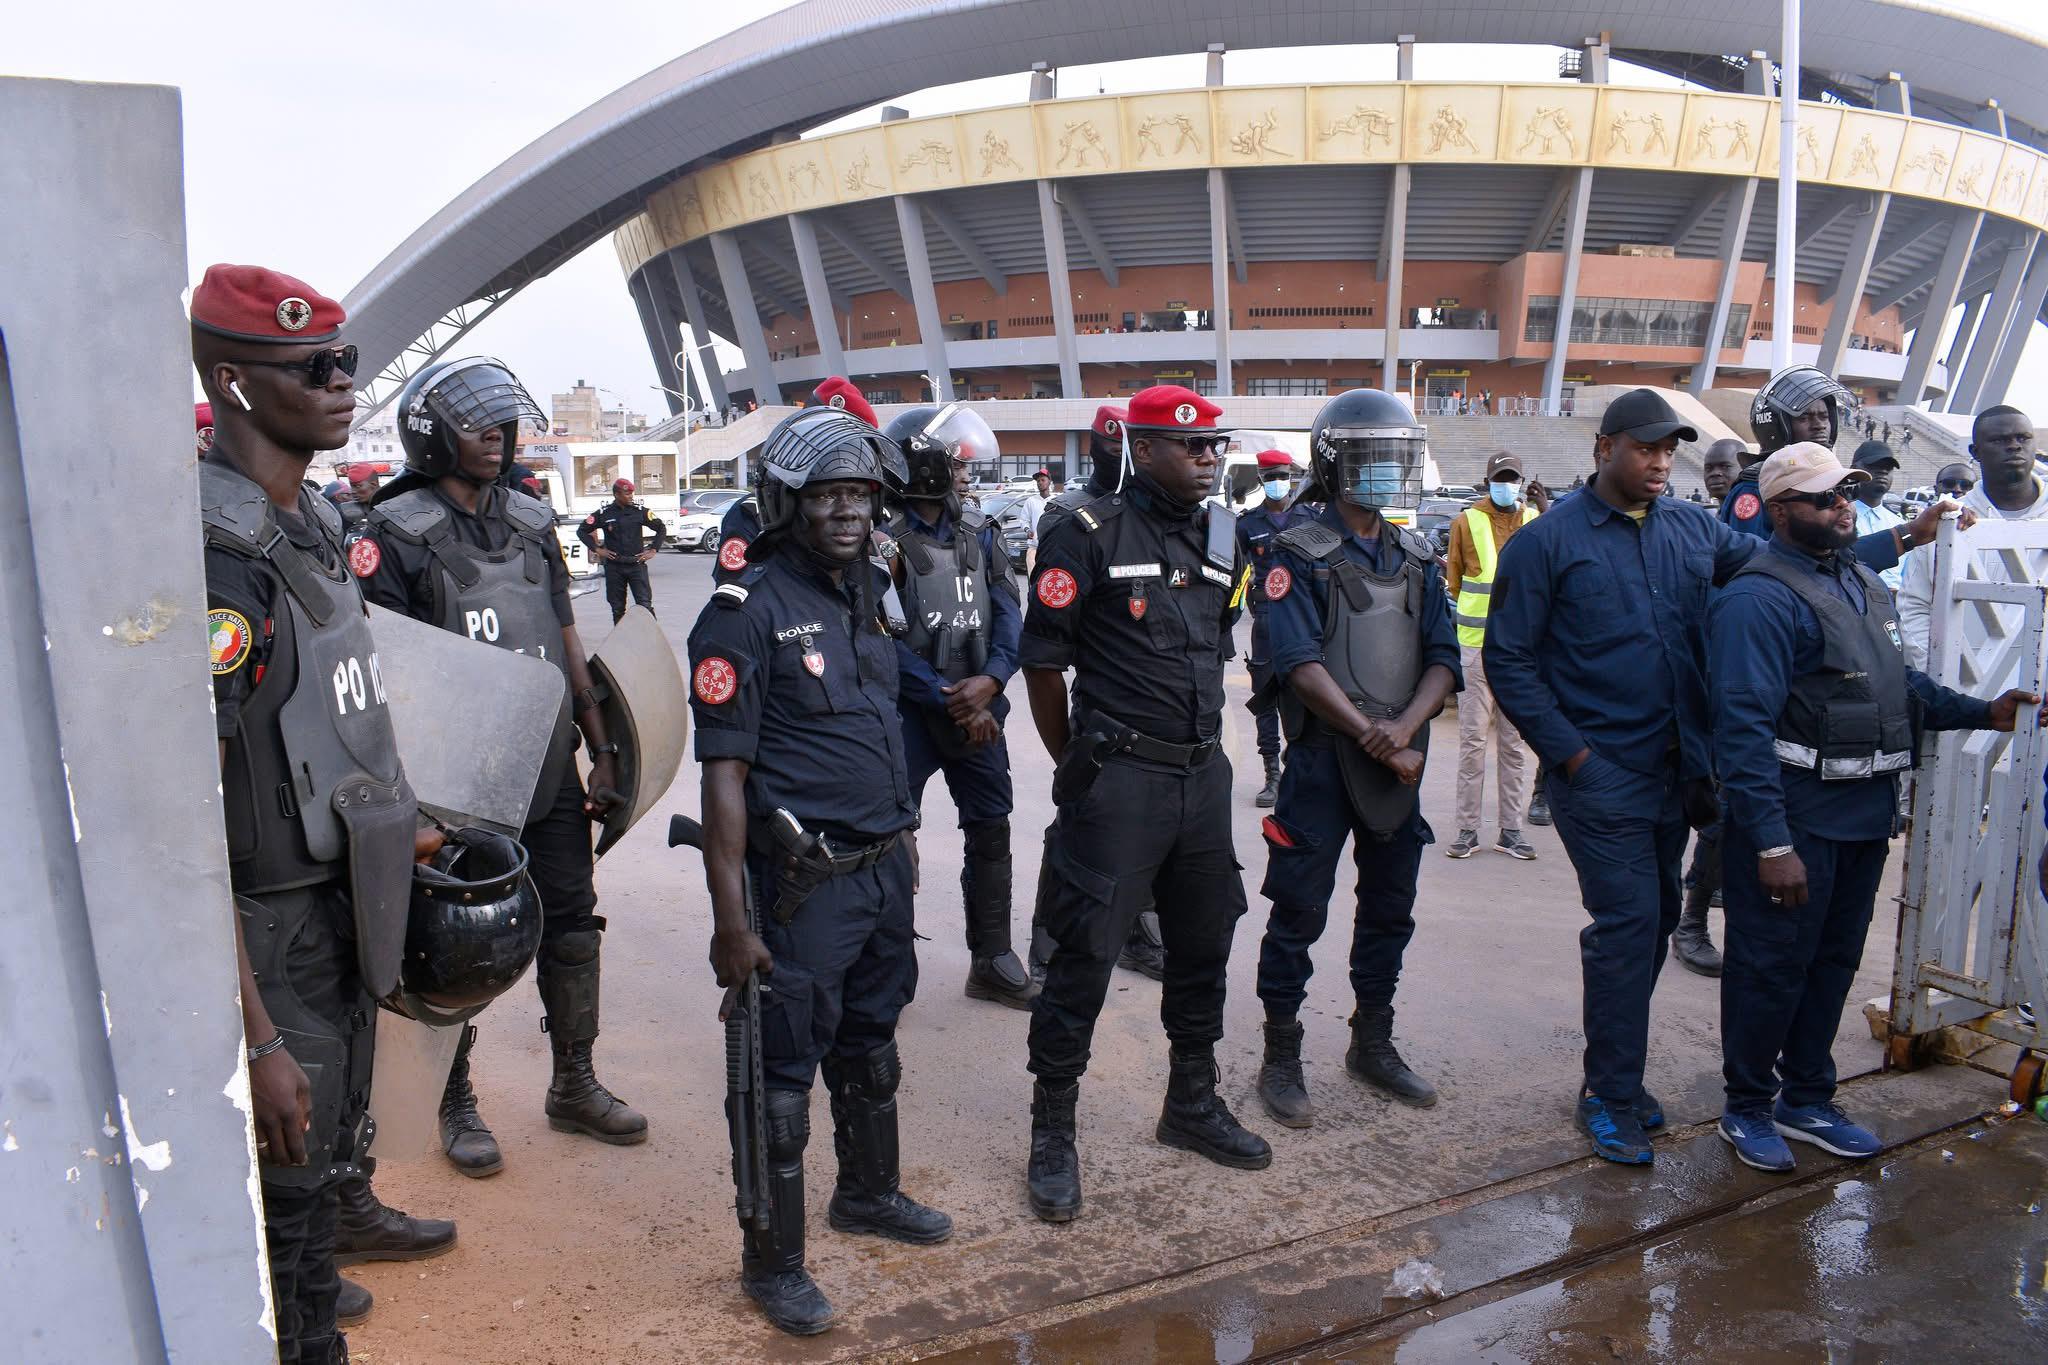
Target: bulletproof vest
1853,717
319,792
352,513
1372,628
946,599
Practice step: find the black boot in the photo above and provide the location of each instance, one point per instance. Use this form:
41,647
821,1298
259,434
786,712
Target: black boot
365,1229
464,1137
1539,806
1689,940
1053,1178
996,974
1269,795
1373,1059
772,1264
577,1102
352,1305
1195,1118
868,1198
1282,1088
1144,952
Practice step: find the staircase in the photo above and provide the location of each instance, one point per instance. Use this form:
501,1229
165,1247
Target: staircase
1937,439
1553,449
715,445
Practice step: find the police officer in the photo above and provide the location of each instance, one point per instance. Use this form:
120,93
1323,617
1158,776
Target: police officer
626,526
1798,403
322,884
1361,635
742,520
1814,720
1137,593
961,649
793,682
1256,530
450,544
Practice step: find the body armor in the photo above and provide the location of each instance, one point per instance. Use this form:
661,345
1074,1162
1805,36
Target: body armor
314,791
946,601
1853,718
1372,648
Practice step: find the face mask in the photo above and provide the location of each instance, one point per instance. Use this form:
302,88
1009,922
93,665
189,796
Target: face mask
1377,485
1504,494
1276,489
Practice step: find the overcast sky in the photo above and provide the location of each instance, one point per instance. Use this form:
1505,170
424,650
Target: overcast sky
318,139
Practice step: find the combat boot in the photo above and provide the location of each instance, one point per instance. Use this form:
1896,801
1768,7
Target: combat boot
470,1146
352,1304
772,1263
366,1229
1144,951
995,973
577,1102
1195,1118
1053,1178
1282,1089
1269,795
1373,1059
868,1197
1690,940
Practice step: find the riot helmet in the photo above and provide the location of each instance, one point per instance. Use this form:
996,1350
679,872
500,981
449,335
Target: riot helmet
934,440
473,929
1787,394
469,395
819,445
1367,448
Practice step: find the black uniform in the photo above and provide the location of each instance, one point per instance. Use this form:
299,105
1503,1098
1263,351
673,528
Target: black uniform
1125,594
629,531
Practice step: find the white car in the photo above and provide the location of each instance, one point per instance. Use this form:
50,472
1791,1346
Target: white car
693,532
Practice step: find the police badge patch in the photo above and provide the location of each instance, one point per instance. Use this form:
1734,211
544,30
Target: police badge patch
814,663
1747,506
1279,582
1056,588
714,681
732,556
364,556
228,640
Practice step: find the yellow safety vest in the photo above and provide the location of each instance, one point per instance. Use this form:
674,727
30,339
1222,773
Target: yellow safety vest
1475,594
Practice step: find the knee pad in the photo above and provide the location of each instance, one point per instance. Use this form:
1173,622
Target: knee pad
988,839
876,1075
789,1125
573,948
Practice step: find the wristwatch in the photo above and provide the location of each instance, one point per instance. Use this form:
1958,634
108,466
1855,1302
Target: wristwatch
599,750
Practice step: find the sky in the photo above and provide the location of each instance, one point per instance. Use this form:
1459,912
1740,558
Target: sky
317,139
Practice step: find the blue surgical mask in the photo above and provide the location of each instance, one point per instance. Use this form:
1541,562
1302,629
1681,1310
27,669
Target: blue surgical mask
1379,484
1276,489
1504,492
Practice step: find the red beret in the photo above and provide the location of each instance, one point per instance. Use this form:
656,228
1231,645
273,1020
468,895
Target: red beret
202,421
626,484
250,303
356,473
1275,459
1109,421
1169,407
840,392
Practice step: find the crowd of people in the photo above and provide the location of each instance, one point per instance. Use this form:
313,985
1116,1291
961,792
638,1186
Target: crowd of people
1643,668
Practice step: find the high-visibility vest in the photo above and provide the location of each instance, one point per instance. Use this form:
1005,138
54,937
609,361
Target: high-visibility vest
1475,593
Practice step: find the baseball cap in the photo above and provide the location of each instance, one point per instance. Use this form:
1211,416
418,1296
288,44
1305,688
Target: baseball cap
1873,455
1504,462
1042,474
1805,467
1644,415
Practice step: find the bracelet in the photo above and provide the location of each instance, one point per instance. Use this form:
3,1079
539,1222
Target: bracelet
1780,851
257,1054
597,750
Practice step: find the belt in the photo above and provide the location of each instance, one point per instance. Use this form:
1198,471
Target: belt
840,861
857,859
1159,751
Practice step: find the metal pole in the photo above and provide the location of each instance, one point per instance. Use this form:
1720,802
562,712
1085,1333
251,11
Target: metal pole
1783,310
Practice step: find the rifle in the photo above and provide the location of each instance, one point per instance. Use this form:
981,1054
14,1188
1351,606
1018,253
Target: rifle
746,1094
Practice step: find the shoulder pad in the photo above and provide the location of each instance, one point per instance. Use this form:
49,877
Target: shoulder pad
1096,512
411,515
972,519
1311,540
324,513
527,512
234,509
1415,547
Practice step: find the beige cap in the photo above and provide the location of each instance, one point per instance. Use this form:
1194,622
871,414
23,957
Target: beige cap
1807,467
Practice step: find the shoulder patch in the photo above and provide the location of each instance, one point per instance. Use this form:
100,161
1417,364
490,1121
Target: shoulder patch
732,555
1056,588
228,640
714,680
364,557
1279,582
1747,506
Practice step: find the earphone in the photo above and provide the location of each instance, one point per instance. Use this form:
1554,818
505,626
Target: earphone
235,388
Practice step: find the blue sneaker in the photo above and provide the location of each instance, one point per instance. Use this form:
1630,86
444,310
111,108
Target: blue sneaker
1827,1128
1756,1141
1648,1112
1616,1132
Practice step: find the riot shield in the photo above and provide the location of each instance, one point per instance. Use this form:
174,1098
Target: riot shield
473,722
646,713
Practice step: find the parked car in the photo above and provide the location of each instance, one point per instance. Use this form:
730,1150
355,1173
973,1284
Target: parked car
1433,517
695,529
1006,510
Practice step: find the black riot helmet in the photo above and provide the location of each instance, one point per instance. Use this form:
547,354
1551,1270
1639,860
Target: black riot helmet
819,445
1367,448
1788,393
934,440
473,929
472,395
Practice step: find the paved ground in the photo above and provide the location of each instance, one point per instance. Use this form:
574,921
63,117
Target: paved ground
579,1252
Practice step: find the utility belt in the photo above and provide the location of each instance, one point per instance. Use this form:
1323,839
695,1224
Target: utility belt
803,861
1101,738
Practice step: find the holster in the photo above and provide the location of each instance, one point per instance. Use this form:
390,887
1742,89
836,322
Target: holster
1079,766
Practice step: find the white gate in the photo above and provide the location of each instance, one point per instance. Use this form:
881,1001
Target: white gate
1973,928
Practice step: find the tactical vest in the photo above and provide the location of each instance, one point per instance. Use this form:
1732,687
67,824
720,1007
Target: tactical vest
945,598
1475,591
501,597
1853,717
313,787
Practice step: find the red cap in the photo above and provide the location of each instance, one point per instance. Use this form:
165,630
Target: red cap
202,420
1042,474
250,303
1171,408
356,473
1275,459
1109,421
626,484
840,392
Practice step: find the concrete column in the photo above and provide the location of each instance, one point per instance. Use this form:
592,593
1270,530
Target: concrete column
1850,284
817,293
1396,250
650,328
1568,293
1052,224
670,327
1219,247
924,295
746,318
1941,300
1734,232
1992,325
2032,295
712,379
1973,312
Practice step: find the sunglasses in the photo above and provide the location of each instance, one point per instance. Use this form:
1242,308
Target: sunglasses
1957,486
318,368
1198,444
1823,500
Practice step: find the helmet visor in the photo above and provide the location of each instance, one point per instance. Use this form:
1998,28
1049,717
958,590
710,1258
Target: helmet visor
963,433
1379,471
481,393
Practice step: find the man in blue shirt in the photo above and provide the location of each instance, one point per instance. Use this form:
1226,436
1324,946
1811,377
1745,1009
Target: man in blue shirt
1815,715
1596,648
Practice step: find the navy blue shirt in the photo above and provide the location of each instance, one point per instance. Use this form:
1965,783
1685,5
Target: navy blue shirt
1597,638
1743,509
1764,636
921,682
1298,599
799,680
1255,532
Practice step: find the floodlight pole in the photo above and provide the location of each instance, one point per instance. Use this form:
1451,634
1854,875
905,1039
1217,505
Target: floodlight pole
1783,310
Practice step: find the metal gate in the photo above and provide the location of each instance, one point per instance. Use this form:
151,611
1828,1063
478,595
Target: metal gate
1973,928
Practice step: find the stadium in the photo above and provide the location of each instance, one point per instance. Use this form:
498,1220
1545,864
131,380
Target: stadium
1273,244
